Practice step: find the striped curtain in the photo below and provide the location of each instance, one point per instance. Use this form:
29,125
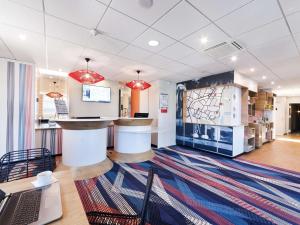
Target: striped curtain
17,86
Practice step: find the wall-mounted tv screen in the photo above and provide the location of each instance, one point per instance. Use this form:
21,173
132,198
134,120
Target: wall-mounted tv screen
92,93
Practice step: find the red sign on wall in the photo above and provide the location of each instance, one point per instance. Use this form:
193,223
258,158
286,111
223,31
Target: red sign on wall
164,110
163,103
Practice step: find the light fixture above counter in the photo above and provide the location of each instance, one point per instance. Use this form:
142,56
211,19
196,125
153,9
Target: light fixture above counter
86,76
138,84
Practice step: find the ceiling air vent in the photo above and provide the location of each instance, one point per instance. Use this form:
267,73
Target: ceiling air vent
223,49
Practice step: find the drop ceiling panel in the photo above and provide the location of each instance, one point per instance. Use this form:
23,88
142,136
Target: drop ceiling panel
108,72
193,73
146,71
276,51
150,34
177,67
213,34
215,9
145,15
4,51
120,26
181,21
20,16
288,69
244,61
264,34
120,62
297,39
290,6
106,44
97,59
197,60
158,74
68,56
259,71
216,67
252,15
134,53
293,21
86,13
30,50
122,77
66,31
156,61
106,2
176,51
34,4
177,78
258,76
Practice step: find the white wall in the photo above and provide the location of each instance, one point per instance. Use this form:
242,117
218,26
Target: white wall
3,102
77,107
245,82
282,113
144,101
164,123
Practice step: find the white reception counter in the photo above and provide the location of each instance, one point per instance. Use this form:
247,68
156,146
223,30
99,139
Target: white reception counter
84,141
132,135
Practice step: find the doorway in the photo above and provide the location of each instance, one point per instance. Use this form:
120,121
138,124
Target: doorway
124,102
295,118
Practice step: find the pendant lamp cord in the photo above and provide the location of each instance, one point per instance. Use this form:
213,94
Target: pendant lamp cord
138,72
87,64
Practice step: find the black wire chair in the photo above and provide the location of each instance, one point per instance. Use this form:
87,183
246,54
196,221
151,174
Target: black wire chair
101,218
20,164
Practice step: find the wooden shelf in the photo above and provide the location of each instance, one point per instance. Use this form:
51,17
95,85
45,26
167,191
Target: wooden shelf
265,101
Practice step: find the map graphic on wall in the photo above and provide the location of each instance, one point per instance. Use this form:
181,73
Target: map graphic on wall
212,105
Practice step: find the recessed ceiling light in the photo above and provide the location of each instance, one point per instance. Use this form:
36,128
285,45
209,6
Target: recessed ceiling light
204,40
272,82
22,37
264,77
60,70
279,87
252,69
233,58
153,43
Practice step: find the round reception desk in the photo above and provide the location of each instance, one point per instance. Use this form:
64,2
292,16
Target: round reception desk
84,141
132,135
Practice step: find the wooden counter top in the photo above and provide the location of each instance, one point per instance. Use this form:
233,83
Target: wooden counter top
85,124
133,121
73,212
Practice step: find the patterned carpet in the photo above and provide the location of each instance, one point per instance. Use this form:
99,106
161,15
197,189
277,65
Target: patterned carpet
202,189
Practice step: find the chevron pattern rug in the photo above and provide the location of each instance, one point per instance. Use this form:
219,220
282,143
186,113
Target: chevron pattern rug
202,189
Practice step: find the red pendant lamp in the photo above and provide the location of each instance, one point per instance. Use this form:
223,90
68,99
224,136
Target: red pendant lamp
86,76
138,84
54,94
